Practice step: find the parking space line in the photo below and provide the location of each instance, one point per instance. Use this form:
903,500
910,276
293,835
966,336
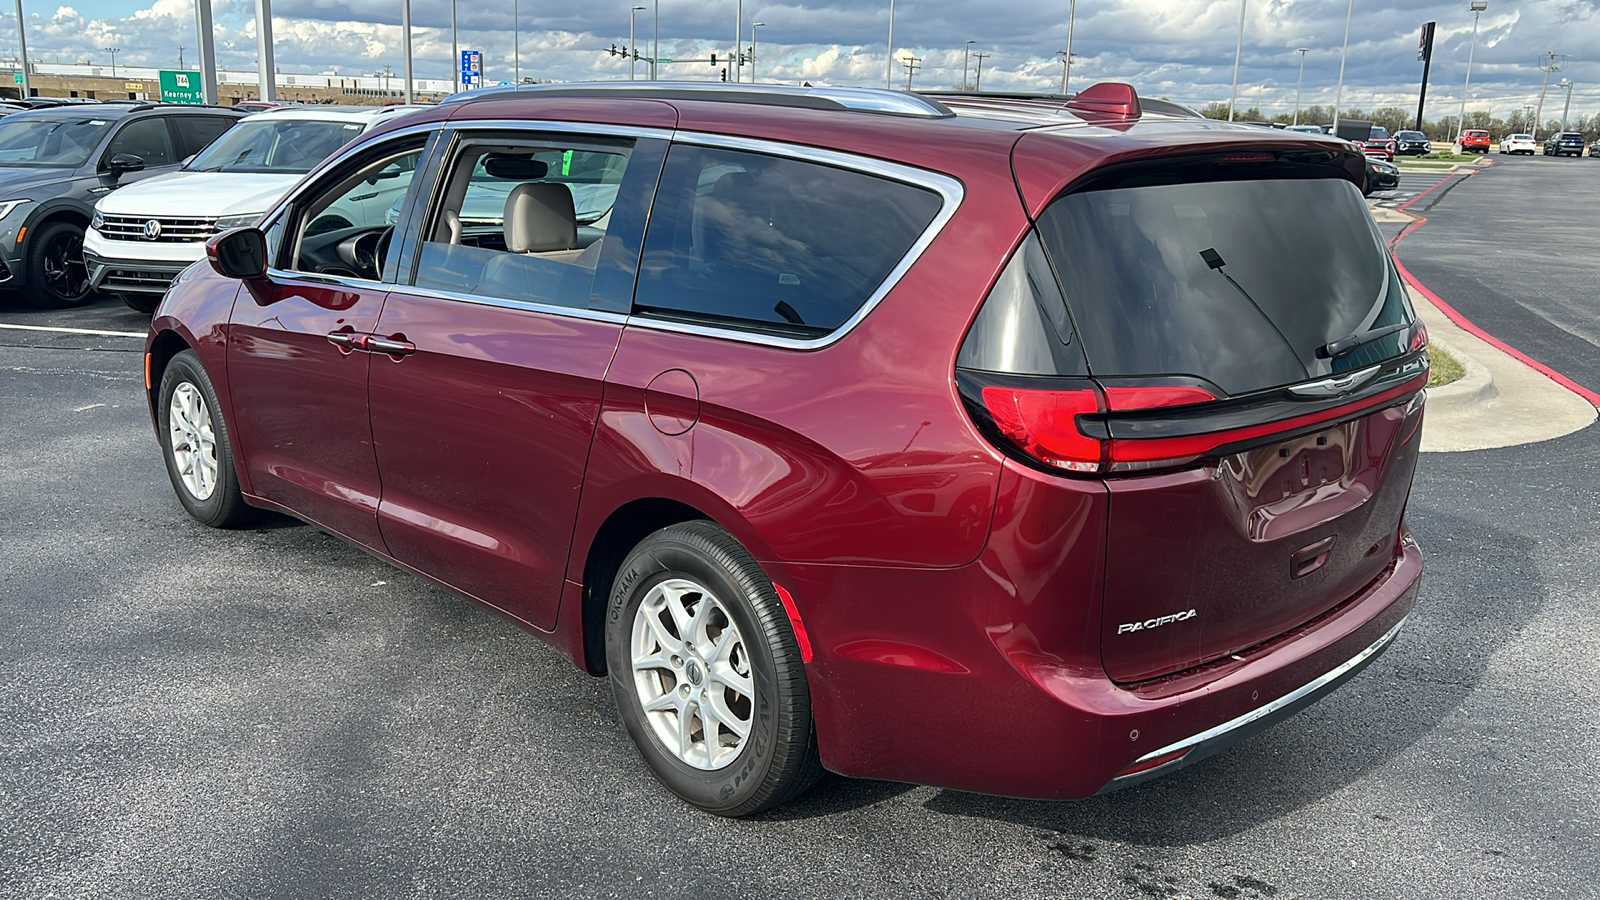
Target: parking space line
60,330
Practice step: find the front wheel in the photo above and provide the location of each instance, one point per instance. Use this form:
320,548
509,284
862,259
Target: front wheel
57,276
194,440
141,302
707,673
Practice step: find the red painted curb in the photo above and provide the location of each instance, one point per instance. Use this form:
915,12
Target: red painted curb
1466,324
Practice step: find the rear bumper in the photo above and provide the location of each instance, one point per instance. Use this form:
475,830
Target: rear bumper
988,678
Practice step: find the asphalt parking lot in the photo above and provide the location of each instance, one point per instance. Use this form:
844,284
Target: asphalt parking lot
270,713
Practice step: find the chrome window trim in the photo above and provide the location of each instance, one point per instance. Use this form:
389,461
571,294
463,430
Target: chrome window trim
320,278
950,189
571,312
1269,709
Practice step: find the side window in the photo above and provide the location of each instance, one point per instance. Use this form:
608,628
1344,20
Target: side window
346,227
773,244
523,219
195,132
147,139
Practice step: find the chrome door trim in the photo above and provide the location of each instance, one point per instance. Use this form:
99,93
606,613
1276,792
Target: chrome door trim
571,312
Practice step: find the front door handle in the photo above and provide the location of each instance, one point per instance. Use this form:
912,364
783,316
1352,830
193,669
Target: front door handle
391,346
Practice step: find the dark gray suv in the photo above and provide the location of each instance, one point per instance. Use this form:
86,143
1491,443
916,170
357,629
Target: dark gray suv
55,163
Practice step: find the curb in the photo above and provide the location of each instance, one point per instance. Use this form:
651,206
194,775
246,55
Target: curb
1475,386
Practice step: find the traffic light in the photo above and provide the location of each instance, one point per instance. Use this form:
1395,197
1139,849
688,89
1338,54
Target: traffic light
613,49
724,74
714,62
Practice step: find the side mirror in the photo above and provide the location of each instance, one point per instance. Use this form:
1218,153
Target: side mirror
239,253
124,162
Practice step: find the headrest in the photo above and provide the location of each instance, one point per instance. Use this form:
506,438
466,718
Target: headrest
540,218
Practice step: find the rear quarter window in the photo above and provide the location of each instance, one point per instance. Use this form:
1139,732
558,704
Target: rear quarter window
772,244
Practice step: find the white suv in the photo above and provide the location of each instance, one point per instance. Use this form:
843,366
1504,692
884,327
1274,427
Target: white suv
143,235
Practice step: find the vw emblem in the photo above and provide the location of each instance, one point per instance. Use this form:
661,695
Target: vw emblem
152,230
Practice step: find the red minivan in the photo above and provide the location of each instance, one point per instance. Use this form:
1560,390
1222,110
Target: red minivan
1028,445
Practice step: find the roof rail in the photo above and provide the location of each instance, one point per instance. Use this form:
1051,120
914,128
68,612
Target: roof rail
872,100
1159,107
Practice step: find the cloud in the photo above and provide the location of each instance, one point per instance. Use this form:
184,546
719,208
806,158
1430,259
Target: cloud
1182,49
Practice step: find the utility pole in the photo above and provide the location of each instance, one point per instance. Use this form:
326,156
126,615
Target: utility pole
911,64
1066,61
1338,95
1550,66
181,48
978,85
753,27
965,59
1478,6
1237,53
1425,53
1301,83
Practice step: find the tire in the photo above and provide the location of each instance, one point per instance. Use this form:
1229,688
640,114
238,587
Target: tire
695,578
141,302
57,277
199,455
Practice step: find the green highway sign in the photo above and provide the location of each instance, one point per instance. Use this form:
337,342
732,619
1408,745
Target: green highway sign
180,87
17,77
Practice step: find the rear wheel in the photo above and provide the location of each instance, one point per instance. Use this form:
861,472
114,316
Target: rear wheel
194,440
57,276
707,673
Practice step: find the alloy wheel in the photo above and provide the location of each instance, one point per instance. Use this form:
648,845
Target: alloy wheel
64,270
692,674
193,440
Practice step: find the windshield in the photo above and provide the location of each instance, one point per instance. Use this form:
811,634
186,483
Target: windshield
1413,135
286,146
1226,280
64,141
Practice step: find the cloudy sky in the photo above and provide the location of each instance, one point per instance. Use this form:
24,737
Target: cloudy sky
1182,49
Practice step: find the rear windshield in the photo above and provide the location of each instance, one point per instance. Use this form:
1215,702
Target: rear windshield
1471,133
1378,133
1237,282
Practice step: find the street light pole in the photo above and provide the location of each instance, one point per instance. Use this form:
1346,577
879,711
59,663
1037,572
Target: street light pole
753,27
22,47
1568,107
1238,52
965,59
1066,63
1478,6
206,50
1338,95
655,44
455,46
113,51
405,38
1300,84
888,67
633,17
264,62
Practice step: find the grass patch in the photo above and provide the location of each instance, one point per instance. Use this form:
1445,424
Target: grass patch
1408,164
1451,157
1445,369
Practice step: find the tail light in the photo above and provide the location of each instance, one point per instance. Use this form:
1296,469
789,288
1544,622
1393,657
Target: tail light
1070,427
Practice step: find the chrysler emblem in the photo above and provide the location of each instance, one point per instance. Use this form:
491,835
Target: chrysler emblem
152,230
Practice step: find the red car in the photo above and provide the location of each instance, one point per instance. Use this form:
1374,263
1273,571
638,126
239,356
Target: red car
1474,141
1014,445
1379,143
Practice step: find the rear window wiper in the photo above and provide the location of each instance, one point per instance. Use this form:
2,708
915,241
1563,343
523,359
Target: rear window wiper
1336,349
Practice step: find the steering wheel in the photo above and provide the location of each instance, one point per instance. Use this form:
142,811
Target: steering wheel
381,251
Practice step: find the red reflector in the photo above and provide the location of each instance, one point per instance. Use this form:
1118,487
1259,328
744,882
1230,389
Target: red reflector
1247,157
800,636
1127,398
1154,762
1044,424
1419,338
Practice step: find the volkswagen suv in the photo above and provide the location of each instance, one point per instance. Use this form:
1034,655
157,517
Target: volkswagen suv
1036,446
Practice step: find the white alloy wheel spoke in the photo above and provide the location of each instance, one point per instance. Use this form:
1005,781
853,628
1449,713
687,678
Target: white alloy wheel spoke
689,676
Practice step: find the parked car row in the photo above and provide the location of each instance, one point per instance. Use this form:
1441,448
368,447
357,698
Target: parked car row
120,197
839,428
